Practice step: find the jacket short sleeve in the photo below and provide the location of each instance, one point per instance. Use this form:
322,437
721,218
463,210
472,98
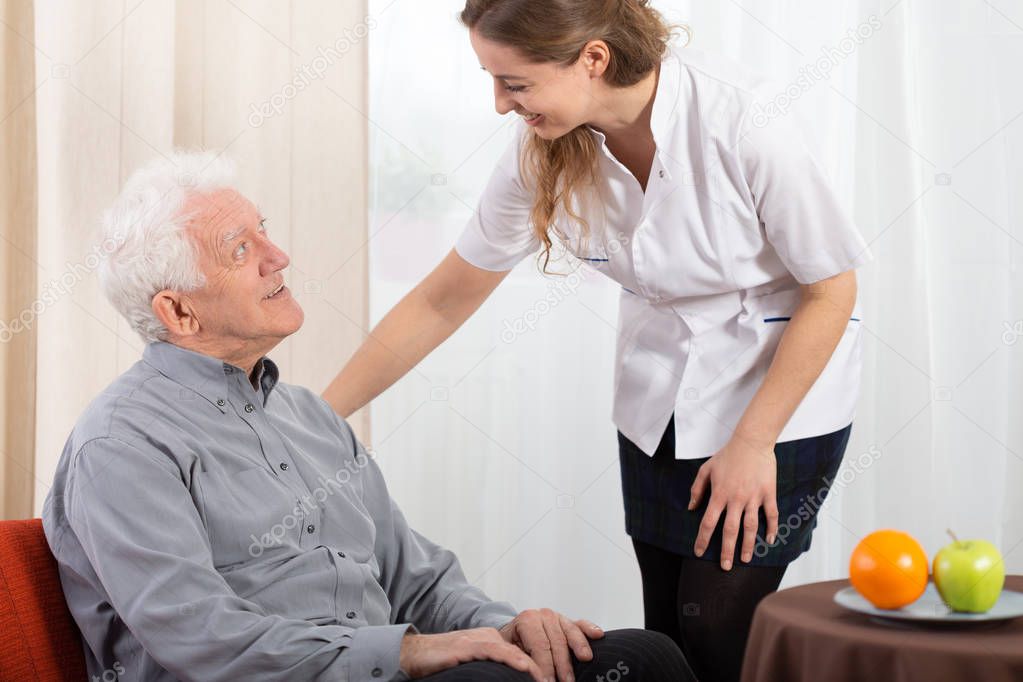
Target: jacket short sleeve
803,220
499,236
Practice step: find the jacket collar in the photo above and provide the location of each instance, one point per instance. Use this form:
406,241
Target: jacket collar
666,102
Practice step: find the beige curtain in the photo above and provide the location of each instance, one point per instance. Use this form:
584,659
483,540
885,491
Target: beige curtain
280,87
18,260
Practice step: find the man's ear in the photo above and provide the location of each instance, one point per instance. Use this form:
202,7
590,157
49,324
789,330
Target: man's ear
176,312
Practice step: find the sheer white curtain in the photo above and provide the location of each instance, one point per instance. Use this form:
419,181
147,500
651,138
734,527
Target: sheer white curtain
500,445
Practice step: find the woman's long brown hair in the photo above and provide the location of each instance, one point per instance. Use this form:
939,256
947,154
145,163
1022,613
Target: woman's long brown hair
556,31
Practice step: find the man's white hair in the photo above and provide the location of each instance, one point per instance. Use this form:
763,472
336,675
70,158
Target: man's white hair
147,226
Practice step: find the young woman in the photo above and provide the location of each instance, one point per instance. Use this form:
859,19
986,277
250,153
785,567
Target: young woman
738,356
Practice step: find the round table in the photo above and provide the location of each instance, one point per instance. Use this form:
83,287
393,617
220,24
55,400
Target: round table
802,635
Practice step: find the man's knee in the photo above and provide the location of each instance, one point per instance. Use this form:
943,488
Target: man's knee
480,671
632,655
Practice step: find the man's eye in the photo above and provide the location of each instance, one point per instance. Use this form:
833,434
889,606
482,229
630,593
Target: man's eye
262,225
240,251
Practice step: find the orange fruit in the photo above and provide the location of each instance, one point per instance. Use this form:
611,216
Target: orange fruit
889,568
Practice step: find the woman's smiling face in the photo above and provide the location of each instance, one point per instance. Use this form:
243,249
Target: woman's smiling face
553,99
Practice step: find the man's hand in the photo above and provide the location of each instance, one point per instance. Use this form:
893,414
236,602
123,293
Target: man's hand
423,655
547,637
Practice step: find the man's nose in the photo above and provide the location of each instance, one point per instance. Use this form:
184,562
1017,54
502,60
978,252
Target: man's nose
502,102
275,259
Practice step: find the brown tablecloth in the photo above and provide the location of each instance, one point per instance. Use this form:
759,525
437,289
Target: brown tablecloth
802,635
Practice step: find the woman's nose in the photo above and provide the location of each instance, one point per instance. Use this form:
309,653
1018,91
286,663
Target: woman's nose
502,102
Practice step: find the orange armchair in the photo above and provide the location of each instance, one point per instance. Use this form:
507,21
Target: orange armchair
38,638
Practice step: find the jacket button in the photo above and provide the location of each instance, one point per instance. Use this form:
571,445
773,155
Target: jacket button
249,407
377,672
341,554
350,615
284,466
310,528
220,402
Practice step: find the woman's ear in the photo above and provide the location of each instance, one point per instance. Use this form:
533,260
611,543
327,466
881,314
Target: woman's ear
596,57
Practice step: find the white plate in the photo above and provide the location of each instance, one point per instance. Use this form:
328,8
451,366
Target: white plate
929,607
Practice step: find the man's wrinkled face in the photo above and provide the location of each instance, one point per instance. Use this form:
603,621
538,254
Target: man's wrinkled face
244,303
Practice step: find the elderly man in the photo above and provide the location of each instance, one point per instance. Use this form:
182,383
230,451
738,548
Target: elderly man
212,523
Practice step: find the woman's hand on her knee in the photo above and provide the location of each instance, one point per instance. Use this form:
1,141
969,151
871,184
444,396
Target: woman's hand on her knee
743,477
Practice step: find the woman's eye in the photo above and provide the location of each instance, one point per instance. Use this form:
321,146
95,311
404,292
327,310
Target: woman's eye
515,88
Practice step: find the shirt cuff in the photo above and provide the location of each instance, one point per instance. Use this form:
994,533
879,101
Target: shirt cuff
476,249
376,653
817,272
496,615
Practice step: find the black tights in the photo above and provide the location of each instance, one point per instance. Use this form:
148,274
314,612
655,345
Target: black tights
705,609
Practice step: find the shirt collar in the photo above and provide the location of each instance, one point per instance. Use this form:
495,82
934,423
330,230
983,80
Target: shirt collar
266,376
205,374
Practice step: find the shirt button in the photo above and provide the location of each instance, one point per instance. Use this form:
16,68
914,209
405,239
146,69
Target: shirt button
350,615
660,174
228,370
341,554
249,407
284,466
377,672
220,402
310,528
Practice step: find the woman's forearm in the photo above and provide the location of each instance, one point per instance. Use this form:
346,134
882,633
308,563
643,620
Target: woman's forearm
421,321
805,348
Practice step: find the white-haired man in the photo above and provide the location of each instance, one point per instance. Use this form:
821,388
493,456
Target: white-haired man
212,523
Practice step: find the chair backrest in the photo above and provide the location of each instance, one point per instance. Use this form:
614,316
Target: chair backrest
38,638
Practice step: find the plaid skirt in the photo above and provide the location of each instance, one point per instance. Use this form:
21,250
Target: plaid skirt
656,493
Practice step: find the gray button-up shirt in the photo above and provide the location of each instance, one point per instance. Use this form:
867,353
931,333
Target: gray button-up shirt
208,531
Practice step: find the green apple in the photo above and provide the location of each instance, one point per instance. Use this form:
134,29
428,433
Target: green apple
969,574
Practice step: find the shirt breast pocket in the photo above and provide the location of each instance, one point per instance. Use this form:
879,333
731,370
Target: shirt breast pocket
591,250
595,256
248,513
